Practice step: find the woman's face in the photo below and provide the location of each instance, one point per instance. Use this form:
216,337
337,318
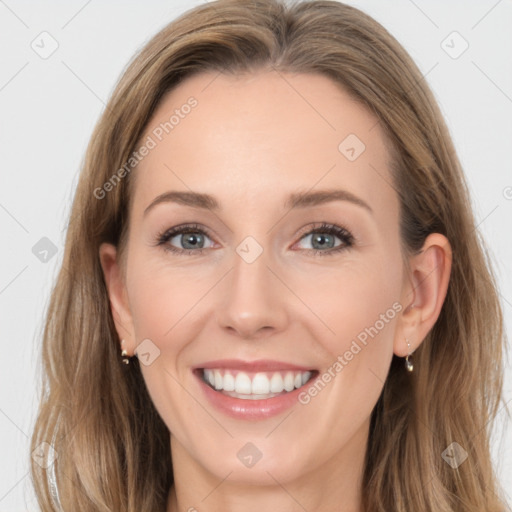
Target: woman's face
261,287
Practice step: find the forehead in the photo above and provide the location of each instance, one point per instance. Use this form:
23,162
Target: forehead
249,139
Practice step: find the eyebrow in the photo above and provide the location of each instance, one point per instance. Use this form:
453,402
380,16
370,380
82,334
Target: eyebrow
295,200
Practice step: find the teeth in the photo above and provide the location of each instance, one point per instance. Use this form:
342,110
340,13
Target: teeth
229,382
264,384
260,384
289,382
218,380
243,383
276,383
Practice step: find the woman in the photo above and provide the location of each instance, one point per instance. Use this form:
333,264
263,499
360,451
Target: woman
269,373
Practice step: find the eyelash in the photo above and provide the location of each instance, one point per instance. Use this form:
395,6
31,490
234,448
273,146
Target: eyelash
163,237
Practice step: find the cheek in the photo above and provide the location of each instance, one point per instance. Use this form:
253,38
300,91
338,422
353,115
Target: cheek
162,303
360,305
359,300
162,299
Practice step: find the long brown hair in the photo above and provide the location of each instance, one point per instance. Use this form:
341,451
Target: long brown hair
112,448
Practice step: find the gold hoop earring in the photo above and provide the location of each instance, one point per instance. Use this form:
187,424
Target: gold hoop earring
124,353
125,360
408,363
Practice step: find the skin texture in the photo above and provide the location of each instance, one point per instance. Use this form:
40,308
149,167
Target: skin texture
251,141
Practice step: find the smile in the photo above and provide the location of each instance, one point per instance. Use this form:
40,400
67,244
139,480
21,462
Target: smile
254,386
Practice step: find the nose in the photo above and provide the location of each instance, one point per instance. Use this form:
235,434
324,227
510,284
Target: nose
253,299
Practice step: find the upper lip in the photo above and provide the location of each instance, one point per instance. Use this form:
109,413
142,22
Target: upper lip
253,366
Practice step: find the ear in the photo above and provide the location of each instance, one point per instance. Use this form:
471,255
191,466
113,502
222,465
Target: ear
423,293
118,295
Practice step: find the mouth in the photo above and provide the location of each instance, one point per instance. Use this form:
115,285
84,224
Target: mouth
246,385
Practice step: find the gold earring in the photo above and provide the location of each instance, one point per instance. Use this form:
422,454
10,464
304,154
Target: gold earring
408,364
124,353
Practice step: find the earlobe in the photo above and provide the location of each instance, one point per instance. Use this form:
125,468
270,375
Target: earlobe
117,295
424,293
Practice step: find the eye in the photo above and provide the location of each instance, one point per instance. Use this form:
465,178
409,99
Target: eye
323,239
191,236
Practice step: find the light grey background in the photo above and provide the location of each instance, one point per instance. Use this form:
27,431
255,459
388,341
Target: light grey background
48,107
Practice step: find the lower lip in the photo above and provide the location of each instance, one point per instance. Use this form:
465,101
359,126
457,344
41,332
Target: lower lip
252,410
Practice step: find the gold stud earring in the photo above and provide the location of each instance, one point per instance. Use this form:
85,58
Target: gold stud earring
408,363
